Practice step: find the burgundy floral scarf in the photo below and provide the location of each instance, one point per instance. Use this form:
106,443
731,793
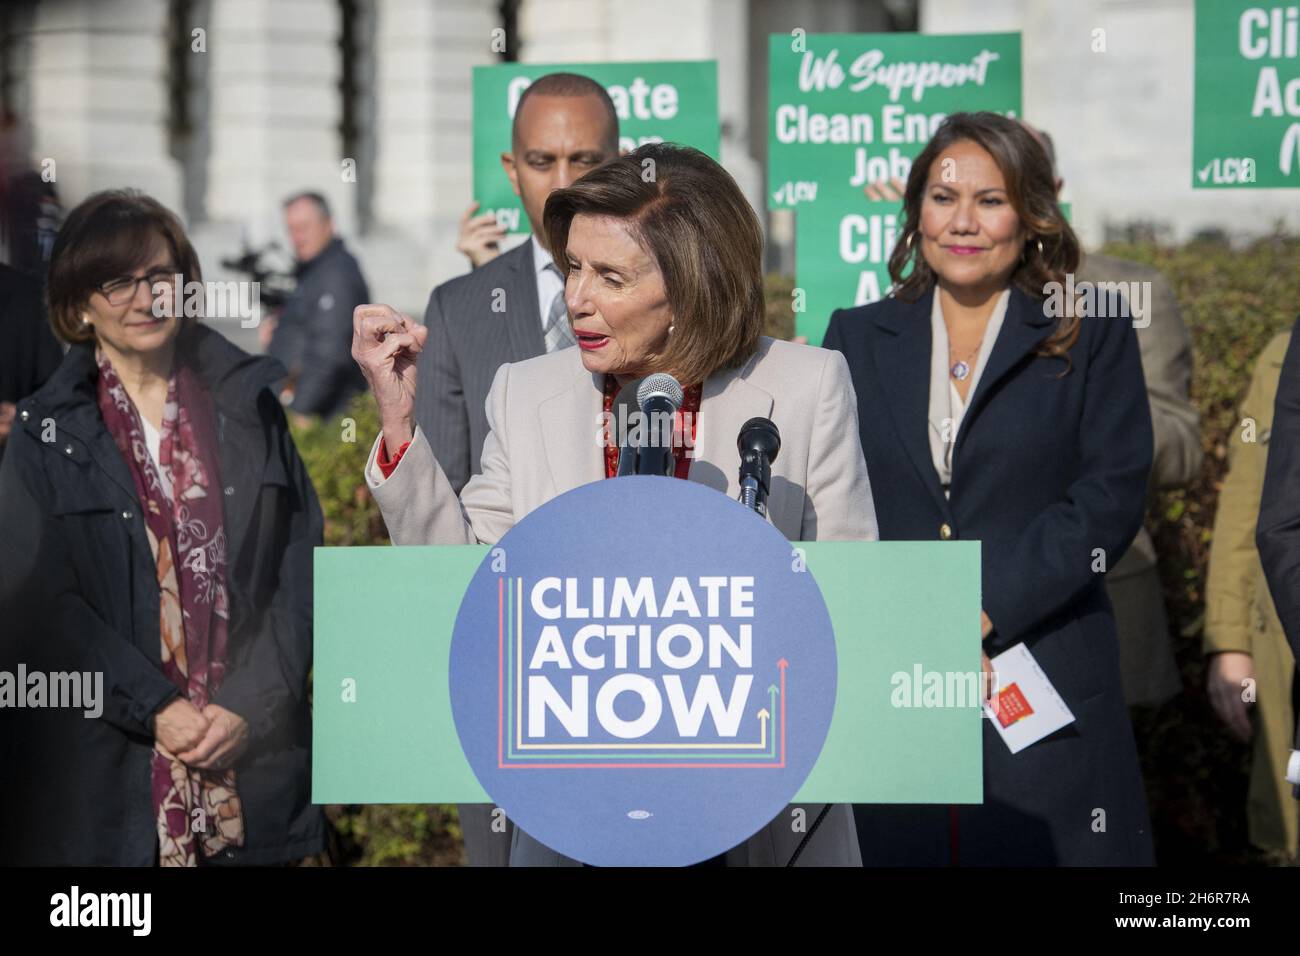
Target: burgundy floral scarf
189,549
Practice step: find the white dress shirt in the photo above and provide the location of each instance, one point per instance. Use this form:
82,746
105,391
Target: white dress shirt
946,406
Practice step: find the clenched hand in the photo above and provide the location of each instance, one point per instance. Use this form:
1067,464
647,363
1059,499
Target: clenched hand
385,344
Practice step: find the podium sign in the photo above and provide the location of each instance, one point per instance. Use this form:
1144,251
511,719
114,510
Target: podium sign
644,671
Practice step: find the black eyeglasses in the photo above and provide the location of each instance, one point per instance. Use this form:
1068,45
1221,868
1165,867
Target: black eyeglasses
121,290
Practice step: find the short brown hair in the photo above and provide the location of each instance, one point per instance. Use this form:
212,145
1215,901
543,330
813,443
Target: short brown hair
689,215
110,234
1031,190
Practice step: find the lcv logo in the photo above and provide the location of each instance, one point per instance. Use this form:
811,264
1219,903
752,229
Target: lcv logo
614,670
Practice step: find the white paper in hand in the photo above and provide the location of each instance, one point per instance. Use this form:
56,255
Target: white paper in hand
1026,707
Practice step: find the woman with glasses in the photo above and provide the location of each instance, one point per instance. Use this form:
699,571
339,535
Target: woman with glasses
156,535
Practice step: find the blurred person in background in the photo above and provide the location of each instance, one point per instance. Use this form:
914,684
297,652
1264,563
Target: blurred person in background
158,528
1251,669
1146,652
30,212
313,335
1278,532
29,353
29,217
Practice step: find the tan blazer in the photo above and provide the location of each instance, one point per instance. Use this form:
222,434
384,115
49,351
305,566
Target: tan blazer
1240,615
546,437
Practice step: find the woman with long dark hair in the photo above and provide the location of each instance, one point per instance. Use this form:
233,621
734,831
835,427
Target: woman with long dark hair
991,408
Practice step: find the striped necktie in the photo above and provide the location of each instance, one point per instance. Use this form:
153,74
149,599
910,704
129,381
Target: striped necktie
557,334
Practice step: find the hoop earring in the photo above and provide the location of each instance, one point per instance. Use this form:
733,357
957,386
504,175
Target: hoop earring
910,237
1040,247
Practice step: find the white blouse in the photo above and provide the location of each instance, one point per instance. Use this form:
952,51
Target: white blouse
946,406
153,440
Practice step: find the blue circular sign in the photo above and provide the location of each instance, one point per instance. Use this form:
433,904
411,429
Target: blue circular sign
642,673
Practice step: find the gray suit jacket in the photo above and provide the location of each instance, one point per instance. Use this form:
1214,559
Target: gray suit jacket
544,439
477,323
1147,666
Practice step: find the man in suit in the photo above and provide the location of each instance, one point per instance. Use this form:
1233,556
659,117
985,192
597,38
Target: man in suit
512,308
508,310
1148,670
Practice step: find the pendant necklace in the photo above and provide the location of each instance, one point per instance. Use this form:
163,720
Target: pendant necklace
960,369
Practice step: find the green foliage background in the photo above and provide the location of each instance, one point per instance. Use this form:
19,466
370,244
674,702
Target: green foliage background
1233,301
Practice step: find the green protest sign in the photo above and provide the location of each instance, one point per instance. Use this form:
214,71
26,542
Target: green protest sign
848,109
842,258
667,101
1246,112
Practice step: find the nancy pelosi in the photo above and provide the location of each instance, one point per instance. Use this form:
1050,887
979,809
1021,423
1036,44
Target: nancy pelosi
663,273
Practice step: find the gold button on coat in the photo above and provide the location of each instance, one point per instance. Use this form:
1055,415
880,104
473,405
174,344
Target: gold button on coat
945,531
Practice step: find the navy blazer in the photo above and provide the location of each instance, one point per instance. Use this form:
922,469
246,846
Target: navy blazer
1050,476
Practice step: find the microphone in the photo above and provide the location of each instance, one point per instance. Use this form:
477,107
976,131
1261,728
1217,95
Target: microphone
659,397
758,443
628,422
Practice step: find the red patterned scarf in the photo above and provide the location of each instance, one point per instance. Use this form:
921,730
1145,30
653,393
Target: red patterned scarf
688,416
189,549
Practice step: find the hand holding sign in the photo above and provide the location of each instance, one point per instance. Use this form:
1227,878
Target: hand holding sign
885,190
480,236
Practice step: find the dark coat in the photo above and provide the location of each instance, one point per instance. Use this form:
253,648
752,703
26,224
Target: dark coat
78,591
313,336
1047,468
29,353
1278,531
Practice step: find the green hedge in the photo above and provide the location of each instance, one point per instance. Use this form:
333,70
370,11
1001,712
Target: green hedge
1233,301
376,835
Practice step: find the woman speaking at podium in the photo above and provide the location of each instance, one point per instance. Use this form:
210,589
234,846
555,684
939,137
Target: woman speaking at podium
662,260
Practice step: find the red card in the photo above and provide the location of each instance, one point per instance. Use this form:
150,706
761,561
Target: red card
1012,705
